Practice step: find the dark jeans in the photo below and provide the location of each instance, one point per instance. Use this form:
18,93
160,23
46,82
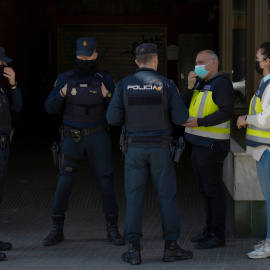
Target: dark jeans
208,167
4,155
97,149
140,164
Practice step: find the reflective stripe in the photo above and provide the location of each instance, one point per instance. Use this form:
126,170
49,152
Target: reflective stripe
258,133
254,134
253,105
257,128
225,125
207,134
202,104
205,107
258,139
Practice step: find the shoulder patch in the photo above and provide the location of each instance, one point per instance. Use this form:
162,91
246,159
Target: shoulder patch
207,87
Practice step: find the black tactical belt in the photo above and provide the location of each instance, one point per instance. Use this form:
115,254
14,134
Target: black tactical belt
155,141
69,131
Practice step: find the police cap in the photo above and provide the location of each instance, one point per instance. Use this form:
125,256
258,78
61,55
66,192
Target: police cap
86,46
3,56
146,48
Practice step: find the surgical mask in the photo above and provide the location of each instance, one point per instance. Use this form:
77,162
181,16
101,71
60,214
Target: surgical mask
258,68
200,70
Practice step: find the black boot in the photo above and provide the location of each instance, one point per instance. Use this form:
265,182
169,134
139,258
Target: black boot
212,242
5,246
173,252
56,235
201,237
112,228
133,255
2,256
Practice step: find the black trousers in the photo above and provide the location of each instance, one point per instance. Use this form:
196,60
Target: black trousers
208,167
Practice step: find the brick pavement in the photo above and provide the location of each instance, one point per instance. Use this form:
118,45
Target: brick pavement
25,221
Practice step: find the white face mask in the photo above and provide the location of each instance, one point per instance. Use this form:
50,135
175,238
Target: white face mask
200,70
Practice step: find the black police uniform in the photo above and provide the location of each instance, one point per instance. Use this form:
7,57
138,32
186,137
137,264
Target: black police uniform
147,104
84,132
10,100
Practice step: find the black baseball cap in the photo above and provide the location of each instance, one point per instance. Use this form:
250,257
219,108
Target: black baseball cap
86,46
3,56
146,48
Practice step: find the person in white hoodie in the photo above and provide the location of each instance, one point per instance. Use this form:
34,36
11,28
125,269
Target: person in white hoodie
258,138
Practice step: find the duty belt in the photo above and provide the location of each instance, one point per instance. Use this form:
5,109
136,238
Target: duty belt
151,141
5,139
76,133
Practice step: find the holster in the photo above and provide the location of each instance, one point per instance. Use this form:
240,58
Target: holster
55,152
177,148
6,139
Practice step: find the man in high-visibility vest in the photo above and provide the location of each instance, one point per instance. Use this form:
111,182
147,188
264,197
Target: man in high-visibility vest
210,96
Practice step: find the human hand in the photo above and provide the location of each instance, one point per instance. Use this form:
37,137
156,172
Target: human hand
192,77
104,90
10,75
63,91
241,121
191,122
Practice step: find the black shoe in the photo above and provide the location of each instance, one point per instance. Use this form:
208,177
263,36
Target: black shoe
5,246
201,237
112,229
56,235
173,252
53,238
211,242
133,255
2,256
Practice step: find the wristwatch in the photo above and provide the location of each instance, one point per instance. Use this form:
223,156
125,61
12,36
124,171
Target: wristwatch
13,85
108,95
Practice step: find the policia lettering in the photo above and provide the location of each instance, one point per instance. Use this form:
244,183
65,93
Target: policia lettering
157,87
256,136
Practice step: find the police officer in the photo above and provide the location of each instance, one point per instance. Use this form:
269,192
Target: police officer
211,98
84,93
147,104
10,100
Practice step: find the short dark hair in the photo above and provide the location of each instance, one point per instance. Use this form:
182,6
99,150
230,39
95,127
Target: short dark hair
265,49
145,58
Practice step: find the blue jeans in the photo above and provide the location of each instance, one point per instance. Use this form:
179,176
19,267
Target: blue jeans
4,154
263,168
140,164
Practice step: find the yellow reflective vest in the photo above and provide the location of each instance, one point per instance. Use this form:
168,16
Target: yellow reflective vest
201,105
256,136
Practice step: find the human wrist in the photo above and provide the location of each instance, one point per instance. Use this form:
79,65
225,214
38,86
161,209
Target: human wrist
62,93
13,85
